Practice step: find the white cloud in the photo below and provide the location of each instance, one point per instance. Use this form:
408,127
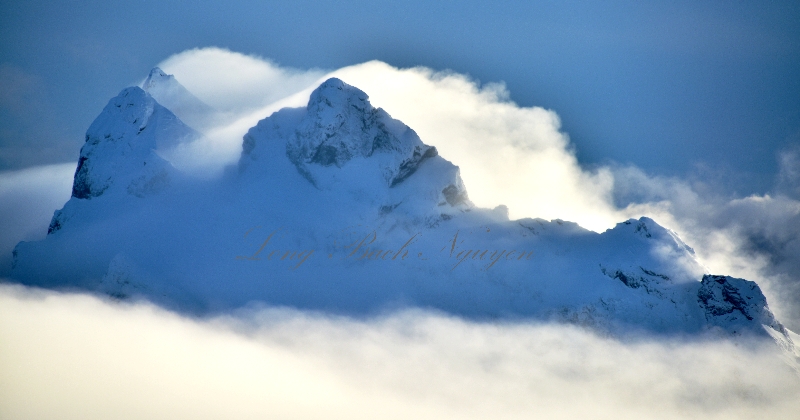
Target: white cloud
28,198
234,82
73,356
511,155
245,89
789,175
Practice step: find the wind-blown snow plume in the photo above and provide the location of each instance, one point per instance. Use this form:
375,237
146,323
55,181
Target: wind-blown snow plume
233,82
510,155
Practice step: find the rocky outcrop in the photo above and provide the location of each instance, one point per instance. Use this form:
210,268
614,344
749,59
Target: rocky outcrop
734,303
341,125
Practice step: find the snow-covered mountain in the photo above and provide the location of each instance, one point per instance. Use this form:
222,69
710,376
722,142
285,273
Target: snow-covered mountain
121,153
339,207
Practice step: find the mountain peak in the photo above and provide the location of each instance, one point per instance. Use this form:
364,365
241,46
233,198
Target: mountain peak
341,125
339,141
156,76
731,302
338,96
121,143
166,89
120,156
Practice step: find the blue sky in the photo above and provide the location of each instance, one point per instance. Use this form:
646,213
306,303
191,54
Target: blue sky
707,90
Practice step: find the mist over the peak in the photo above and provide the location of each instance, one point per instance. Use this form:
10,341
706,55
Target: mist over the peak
674,126
234,82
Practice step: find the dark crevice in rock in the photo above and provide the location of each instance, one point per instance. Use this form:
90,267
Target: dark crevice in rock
654,274
410,165
81,187
327,155
55,223
454,195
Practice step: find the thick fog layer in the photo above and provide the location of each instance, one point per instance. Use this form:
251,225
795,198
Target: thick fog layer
72,356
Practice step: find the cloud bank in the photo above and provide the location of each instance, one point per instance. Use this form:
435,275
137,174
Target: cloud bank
74,356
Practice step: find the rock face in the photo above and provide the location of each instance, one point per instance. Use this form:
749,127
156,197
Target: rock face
341,125
735,303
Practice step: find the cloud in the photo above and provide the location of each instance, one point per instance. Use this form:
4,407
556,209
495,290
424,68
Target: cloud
74,356
28,198
243,88
755,237
234,82
789,176
510,155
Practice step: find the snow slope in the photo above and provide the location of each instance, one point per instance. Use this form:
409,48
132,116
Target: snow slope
339,207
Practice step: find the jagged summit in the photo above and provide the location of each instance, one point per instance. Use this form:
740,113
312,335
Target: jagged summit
120,155
156,77
121,145
341,124
339,141
730,303
166,89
